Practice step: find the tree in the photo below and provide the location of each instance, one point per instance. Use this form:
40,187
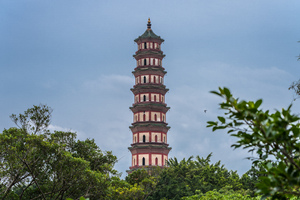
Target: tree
251,178
225,193
138,185
273,136
186,177
37,164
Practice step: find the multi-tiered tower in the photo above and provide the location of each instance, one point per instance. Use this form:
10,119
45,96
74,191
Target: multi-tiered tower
149,128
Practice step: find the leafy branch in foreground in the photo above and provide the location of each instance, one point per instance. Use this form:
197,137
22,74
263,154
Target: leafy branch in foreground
271,136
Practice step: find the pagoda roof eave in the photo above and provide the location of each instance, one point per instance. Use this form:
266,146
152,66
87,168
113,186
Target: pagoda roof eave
149,52
150,124
149,34
150,69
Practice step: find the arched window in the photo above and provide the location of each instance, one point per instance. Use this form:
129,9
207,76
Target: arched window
144,97
154,79
156,161
155,98
144,138
145,62
155,138
145,45
143,160
155,117
144,117
145,79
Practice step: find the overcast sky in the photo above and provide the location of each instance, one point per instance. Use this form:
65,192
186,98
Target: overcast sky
76,57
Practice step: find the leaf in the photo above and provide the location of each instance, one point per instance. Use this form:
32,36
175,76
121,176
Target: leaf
227,92
217,93
222,119
258,103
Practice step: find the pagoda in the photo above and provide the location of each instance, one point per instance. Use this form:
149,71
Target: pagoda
149,128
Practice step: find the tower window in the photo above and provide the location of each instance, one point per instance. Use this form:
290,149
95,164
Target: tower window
144,117
164,139
155,138
155,98
144,138
156,161
145,62
145,79
145,45
143,160
155,117
144,97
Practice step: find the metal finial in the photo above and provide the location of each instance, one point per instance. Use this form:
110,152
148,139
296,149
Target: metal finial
149,24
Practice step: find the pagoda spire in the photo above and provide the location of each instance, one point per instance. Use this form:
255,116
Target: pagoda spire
149,24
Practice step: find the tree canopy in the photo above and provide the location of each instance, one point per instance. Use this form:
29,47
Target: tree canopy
37,164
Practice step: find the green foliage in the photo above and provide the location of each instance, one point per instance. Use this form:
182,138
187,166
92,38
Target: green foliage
186,177
139,184
251,178
225,193
270,136
37,164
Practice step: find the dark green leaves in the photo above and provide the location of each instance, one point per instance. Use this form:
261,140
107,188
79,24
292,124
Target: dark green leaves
37,164
268,135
